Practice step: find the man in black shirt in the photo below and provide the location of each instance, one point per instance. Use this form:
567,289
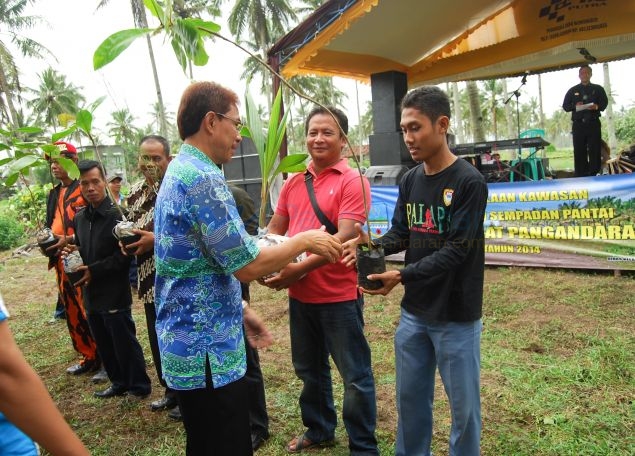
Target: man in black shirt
438,221
585,101
107,296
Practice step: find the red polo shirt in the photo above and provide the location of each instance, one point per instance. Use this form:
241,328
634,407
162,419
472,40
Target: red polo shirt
338,192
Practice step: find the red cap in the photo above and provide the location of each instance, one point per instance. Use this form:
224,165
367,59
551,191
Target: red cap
66,148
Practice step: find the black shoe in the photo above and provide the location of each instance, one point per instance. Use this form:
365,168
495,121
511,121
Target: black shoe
175,414
137,396
100,377
111,391
258,438
166,402
82,368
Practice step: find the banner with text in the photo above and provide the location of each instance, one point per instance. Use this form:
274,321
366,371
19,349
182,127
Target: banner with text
585,222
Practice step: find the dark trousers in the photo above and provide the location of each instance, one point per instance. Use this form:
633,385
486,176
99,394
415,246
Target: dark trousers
216,420
151,319
59,312
337,329
258,417
120,352
76,321
587,145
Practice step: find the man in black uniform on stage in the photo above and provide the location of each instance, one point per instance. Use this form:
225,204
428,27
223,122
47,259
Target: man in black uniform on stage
585,102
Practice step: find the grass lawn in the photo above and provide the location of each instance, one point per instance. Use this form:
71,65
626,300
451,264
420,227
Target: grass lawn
558,367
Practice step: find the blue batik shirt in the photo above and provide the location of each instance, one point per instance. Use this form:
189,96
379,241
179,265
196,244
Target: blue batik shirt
200,241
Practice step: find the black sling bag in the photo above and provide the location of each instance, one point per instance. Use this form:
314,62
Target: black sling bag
330,228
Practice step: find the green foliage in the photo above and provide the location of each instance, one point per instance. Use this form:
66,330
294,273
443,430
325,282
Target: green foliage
114,45
12,231
29,205
185,34
268,147
625,127
27,154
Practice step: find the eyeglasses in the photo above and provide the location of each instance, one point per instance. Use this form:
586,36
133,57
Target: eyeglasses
238,123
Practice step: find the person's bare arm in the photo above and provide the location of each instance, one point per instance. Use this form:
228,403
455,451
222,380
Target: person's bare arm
258,335
143,245
294,271
272,259
26,403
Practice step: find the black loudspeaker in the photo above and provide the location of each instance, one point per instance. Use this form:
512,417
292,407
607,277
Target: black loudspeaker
389,149
385,175
244,170
387,90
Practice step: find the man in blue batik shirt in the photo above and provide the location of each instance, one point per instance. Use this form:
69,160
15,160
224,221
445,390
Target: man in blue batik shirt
202,252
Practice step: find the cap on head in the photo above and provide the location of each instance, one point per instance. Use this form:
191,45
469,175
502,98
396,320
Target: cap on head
66,148
115,177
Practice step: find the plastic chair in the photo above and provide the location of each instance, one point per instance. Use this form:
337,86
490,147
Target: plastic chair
532,166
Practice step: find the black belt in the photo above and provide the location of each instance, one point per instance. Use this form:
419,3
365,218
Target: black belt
587,120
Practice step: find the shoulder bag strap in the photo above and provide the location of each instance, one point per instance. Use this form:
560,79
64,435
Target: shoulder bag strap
330,228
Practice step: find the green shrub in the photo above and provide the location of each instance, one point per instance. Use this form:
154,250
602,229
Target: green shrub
30,204
12,231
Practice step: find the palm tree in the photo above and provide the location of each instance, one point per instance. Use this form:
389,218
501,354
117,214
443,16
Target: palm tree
54,96
121,127
509,112
195,8
12,23
155,112
476,115
126,135
263,21
493,93
258,23
320,88
141,21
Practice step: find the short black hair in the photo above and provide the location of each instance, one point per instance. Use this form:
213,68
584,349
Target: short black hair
160,139
197,100
86,165
338,113
429,100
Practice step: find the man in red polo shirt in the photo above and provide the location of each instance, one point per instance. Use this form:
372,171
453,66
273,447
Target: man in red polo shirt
325,307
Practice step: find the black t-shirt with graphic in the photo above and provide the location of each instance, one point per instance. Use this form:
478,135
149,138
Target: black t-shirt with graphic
438,221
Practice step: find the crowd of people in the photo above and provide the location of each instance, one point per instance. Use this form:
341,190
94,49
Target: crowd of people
195,256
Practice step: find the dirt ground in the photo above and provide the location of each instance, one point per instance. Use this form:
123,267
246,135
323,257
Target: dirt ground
530,302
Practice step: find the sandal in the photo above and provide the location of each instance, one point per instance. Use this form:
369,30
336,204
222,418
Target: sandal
301,443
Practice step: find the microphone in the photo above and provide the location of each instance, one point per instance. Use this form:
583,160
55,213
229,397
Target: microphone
524,79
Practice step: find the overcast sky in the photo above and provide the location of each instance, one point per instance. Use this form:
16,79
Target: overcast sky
73,30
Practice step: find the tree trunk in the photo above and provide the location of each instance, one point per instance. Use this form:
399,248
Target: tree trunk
458,116
542,112
139,14
610,120
4,84
510,117
475,112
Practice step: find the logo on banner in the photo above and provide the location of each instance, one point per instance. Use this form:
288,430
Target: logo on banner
448,193
555,10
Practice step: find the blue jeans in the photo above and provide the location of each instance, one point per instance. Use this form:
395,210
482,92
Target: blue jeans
454,347
318,330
